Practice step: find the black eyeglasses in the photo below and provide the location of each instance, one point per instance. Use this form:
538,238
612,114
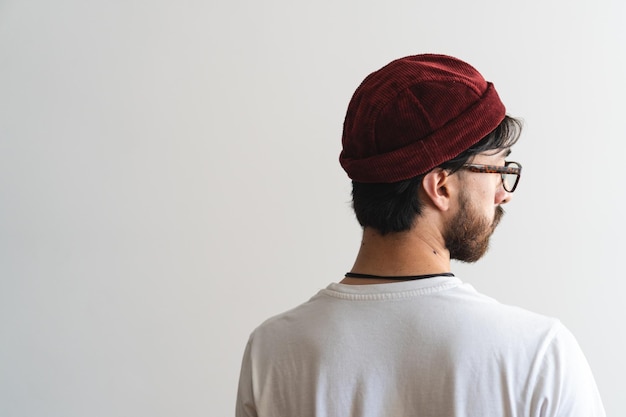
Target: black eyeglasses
510,172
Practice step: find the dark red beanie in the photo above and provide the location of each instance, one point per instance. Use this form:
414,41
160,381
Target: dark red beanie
414,114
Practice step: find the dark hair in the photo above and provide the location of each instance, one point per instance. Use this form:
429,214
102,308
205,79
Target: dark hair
393,207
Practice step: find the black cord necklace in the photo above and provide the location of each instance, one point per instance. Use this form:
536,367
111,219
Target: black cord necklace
398,278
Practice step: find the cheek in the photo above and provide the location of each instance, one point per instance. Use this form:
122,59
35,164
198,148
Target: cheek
494,191
490,198
488,194
485,192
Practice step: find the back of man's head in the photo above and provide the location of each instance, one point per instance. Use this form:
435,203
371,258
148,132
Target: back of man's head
415,114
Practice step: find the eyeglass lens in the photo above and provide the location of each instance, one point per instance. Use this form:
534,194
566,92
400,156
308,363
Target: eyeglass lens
509,180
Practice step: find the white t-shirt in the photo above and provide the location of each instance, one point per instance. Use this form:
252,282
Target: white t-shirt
427,348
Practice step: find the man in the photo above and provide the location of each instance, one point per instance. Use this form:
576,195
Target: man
425,143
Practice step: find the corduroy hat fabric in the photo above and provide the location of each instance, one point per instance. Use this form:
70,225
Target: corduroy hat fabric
414,114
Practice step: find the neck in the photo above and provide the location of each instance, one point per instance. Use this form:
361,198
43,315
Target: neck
409,253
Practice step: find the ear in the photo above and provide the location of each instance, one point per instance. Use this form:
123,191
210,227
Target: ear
437,188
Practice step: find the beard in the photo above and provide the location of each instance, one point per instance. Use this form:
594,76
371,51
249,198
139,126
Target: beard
467,236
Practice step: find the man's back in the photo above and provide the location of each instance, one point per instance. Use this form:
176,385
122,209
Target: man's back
432,347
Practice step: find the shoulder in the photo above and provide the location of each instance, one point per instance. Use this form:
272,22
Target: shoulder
482,310
563,382
288,321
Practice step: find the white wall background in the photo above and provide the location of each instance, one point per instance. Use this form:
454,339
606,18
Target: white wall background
169,179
